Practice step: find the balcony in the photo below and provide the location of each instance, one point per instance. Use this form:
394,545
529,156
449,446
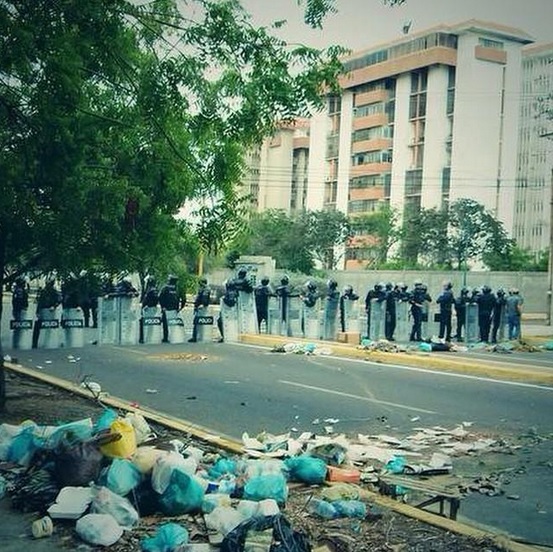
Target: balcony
369,168
371,97
374,192
370,121
372,145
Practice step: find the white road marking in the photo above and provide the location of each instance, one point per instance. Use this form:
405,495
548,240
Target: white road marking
357,397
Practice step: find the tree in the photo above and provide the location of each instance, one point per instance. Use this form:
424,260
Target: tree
379,231
326,230
115,114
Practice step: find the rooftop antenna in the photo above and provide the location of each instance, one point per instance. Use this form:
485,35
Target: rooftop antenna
407,26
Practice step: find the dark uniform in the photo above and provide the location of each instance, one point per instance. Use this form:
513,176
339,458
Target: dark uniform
418,297
461,312
446,300
391,311
262,293
20,298
150,299
348,295
200,301
230,298
168,301
48,298
498,317
486,303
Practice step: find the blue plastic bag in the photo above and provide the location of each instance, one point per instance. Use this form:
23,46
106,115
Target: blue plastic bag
267,486
105,420
350,508
396,464
122,476
223,466
183,495
306,469
169,537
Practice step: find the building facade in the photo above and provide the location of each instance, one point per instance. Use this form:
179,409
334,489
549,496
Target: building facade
532,213
422,121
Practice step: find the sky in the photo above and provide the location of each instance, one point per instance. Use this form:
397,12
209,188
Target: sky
361,24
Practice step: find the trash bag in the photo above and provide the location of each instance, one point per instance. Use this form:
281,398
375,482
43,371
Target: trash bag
101,529
7,434
122,476
222,467
34,491
145,499
183,495
105,501
285,539
125,447
105,420
306,469
267,486
396,464
141,427
166,464
24,445
168,538
78,465
332,453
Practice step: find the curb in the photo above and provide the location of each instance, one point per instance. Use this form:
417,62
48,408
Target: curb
230,445
493,369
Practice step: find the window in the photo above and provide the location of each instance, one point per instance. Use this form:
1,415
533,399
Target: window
413,182
377,156
372,133
363,206
371,109
488,43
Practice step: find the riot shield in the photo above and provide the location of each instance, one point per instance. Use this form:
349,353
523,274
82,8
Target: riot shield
403,324
294,317
151,324
273,317
128,321
73,323
378,313
434,323
204,321
351,315
502,323
283,309
22,328
247,313
426,321
229,318
108,314
175,327
472,333
312,321
330,320
49,336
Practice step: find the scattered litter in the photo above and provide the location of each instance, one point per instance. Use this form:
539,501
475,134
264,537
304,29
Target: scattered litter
151,391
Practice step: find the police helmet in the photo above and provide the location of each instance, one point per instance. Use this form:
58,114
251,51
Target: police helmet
448,285
333,284
202,281
242,273
486,288
348,289
418,283
311,286
285,280
500,292
265,281
465,290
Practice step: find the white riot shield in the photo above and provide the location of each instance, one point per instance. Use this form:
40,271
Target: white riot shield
378,314
351,315
502,323
175,327
151,325
108,315
330,320
128,321
472,331
294,317
247,313
229,317
204,321
403,324
273,316
434,318
22,328
49,336
312,321
73,323
283,309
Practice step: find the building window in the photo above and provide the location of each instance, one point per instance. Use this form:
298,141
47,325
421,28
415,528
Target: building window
363,206
488,43
382,156
370,109
413,182
334,104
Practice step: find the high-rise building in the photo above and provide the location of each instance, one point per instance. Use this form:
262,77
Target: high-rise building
532,213
277,171
422,121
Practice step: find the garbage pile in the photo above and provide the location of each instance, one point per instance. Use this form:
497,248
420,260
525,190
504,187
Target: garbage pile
302,349
107,474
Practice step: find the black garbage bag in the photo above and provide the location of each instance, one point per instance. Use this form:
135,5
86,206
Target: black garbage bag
34,491
285,539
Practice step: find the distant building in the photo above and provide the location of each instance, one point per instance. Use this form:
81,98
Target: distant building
277,171
422,121
532,213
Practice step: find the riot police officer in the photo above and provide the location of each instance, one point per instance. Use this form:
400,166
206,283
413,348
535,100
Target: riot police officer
20,297
347,295
229,298
417,301
150,300
168,301
391,301
242,282
446,300
262,292
486,302
498,316
201,301
376,293
461,312
48,298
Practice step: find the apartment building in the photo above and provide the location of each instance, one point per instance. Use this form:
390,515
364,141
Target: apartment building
532,213
422,121
277,171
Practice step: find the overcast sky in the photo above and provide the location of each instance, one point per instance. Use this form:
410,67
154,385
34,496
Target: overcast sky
361,24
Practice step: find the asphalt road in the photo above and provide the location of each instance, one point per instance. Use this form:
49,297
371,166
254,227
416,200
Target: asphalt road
231,389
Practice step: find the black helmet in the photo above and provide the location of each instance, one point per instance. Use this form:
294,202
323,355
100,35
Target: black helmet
500,292
333,284
348,289
202,281
486,288
389,285
311,286
448,285
285,280
465,290
242,273
265,280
